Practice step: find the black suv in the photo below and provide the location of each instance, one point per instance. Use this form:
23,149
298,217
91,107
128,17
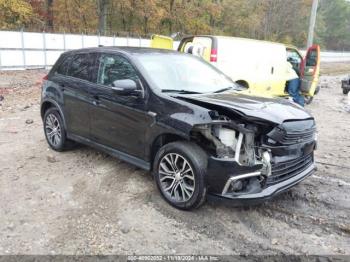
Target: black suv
180,118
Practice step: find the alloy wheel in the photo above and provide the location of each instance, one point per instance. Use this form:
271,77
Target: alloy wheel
53,130
176,177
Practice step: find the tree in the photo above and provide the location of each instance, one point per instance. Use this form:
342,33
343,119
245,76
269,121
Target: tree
275,20
336,31
75,16
15,14
49,21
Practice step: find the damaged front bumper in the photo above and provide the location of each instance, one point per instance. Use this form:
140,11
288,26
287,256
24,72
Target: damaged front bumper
266,193
229,180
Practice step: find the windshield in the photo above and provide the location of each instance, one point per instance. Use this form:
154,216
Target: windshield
184,73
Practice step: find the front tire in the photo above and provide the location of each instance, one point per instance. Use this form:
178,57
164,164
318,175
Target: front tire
345,91
54,130
179,170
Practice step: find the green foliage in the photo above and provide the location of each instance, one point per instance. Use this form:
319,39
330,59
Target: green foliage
275,20
15,14
335,31
75,16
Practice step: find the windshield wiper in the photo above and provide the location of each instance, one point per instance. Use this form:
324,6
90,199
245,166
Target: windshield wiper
180,91
229,88
223,89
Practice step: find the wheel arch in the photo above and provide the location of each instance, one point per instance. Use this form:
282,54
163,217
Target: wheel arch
162,140
197,161
49,103
243,83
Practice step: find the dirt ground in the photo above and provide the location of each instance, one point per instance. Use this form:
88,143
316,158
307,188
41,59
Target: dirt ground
85,202
335,68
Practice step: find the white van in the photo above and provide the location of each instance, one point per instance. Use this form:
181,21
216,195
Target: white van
255,64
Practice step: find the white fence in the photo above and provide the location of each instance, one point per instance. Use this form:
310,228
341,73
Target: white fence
335,56
332,56
20,50
33,50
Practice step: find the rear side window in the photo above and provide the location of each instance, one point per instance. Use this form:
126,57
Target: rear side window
202,47
63,67
81,66
294,58
199,46
311,59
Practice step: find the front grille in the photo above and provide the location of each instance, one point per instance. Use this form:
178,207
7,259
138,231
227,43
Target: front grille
285,170
290,133
291,138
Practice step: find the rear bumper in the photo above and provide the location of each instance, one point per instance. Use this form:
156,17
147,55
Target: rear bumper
266,193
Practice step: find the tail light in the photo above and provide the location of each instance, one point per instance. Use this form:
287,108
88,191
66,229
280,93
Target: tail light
42,80
214,55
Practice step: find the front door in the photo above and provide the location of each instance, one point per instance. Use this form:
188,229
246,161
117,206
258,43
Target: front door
118,121
310,71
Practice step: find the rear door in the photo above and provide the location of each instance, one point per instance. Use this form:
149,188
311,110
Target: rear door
75,83
202,46
310,70
185,43
163,42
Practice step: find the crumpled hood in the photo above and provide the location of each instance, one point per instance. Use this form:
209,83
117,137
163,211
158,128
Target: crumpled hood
271,109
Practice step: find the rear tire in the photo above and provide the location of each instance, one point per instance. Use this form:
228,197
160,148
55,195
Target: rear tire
317,90
179,170
345,91
54,130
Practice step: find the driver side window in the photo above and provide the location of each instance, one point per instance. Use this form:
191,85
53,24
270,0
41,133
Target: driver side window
294,58
311,58
114,67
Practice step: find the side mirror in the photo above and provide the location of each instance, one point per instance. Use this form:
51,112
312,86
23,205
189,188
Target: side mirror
125,87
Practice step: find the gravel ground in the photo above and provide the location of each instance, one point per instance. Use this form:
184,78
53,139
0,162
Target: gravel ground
85,202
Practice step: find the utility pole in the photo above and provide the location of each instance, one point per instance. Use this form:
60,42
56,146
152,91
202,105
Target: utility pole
310,37
102,16
49,20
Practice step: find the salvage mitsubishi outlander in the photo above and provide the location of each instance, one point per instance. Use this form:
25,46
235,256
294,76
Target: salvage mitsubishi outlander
180,118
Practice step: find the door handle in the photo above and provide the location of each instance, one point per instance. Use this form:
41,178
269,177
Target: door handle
62,86
152,114
96,100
